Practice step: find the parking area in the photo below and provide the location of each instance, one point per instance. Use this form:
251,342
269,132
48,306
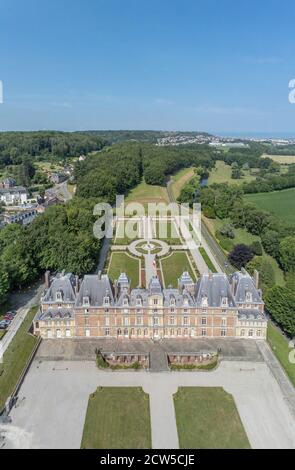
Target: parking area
52,404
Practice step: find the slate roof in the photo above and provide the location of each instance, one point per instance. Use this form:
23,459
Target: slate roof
214,287
96,289
248,314
61,283
55,314
15,189
243,284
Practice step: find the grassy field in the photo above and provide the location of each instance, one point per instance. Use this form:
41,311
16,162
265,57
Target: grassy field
16,357
283,159
122,226
166,230
222,174
174,265
280,203
145,193
280,346
207,259
117,418
122,262
207,418
180,179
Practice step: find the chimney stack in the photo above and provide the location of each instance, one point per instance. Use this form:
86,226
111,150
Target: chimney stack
77,285
47,279
256,279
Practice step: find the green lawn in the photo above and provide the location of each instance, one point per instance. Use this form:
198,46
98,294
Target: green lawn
166,230
221,173
280,346
122,262
207,260
207,418
16,357
180,179
125,227
280,203
174,265
117,418
145,193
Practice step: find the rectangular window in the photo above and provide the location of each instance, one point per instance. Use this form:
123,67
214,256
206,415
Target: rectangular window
156,321
172,320
107,332
223,332
204,321
185,321
126,321
107,321
204,333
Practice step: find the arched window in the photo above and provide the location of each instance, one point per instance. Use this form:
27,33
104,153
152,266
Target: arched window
119,332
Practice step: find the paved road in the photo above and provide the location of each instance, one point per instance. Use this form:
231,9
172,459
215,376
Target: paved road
53,400
279,373
29,299
209,244
150,268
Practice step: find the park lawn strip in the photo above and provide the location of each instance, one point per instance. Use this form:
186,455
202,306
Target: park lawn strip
174,266
280,203
16,357
117,418
166,230
180,179
207,260
145,193
207,418
280,346
124,263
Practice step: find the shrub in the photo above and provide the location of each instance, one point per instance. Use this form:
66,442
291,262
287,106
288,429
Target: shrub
256,248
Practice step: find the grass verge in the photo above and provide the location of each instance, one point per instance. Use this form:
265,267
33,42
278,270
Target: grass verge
207,418
16,357
117,418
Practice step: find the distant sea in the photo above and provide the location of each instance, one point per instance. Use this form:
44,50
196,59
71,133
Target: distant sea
258,135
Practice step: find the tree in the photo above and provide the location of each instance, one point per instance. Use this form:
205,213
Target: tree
280,302
4,286
266,272
256,248
227,230
287,253
240,256
271,243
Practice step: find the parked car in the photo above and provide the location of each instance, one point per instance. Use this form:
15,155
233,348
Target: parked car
8,316
4,324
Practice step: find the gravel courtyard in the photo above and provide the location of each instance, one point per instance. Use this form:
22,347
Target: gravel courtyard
53,400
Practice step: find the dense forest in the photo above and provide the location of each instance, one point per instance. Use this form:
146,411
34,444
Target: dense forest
114,137
119,168
60,239
17,147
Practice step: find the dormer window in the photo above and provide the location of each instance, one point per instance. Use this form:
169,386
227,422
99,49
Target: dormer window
185,301
224,302
204,301
172,301
58,296
138,302
125,302
86,301
248,297
106,301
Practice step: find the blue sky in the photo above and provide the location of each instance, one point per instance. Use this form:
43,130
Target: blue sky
214,65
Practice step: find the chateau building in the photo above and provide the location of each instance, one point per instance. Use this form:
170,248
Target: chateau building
215,306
